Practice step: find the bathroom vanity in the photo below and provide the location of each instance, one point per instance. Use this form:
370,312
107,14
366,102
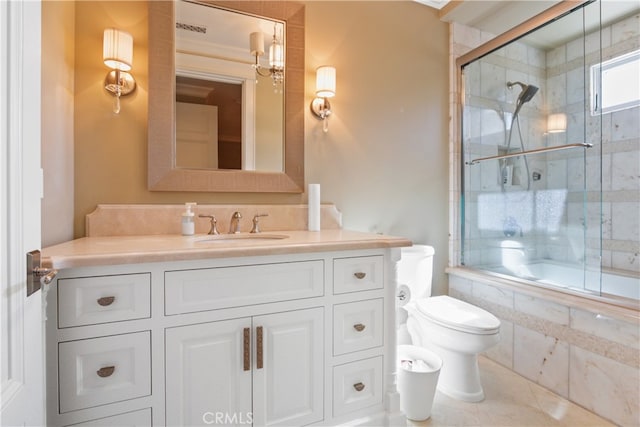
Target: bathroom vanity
194,330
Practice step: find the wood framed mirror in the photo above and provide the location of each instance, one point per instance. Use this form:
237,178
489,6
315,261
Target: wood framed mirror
163,175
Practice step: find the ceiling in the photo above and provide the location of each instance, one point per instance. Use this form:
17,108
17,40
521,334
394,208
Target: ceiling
222,31
493,16
498,16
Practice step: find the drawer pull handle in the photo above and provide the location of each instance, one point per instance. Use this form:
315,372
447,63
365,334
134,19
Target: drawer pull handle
259,351
247,352
105,372
358,386
359,327
360,275
105,301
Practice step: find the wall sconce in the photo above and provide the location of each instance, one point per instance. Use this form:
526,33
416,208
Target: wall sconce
556,123
325,89
117,53
276,56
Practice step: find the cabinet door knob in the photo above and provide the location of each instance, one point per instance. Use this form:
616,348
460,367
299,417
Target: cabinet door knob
105,301
359,327
360,275
105,372
358,386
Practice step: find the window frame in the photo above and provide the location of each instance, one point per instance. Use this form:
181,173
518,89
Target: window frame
596,72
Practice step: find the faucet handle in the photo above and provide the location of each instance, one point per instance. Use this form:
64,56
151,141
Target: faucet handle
256,228
214,222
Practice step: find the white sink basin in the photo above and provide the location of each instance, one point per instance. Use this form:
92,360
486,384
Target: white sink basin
241,237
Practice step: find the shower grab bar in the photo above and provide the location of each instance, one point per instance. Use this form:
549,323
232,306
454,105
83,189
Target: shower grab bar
536,151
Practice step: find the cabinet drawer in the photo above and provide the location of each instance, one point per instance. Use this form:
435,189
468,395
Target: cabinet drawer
357,326
104,370
357,385
93,300
358,274
188,291
141,418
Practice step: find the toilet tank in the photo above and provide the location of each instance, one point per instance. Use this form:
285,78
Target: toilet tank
415,269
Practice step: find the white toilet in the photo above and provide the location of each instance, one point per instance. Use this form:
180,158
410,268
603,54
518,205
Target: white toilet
455,330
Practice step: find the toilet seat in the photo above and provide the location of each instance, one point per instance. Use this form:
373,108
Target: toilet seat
459,315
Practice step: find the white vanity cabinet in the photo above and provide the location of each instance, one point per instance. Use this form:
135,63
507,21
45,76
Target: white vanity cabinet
289,339
266,370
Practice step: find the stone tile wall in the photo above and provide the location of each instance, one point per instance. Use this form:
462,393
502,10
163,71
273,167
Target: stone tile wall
585,354
612,165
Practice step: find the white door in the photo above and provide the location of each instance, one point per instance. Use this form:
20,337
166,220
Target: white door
207,379
22,356
196,136
288,384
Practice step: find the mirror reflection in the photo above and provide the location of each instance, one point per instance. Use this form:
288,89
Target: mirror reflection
228,116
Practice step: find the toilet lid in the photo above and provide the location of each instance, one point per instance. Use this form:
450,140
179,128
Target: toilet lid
458,315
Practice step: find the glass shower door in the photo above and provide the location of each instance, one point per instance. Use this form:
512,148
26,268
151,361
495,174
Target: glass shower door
535,215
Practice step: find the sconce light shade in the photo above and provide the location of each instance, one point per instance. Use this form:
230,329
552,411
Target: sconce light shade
276,55
325,89
117,49
256,44
557,123
326,82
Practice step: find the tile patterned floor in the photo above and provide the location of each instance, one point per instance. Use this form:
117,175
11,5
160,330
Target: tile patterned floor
510,401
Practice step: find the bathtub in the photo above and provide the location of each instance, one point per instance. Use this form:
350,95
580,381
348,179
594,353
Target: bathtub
575,278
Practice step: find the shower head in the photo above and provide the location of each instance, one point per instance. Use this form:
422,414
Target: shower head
528,92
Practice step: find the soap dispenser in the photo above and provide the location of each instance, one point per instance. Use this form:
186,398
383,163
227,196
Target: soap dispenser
188,220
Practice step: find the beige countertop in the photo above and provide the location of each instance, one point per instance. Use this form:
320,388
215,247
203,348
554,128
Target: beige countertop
97,251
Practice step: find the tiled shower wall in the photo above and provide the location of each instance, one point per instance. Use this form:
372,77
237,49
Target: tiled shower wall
614,160
613,164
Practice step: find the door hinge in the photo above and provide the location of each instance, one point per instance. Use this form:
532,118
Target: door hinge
36,274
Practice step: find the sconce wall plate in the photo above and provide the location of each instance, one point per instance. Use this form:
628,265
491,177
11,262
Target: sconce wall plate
125,83
321,108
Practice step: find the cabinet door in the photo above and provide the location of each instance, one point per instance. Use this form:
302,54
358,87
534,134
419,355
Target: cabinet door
206,378
288,387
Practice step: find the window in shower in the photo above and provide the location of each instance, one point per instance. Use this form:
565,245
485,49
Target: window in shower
615,84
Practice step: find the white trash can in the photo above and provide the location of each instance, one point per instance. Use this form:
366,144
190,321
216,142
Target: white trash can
418,371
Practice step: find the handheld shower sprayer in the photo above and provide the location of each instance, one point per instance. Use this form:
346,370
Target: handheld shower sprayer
528,92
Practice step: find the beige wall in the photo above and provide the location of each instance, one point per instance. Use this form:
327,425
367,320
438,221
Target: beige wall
384,161
57,121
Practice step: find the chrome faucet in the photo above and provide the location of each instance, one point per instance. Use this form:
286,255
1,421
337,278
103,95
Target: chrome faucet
234,227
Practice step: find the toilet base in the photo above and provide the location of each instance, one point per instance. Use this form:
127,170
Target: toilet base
460,376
